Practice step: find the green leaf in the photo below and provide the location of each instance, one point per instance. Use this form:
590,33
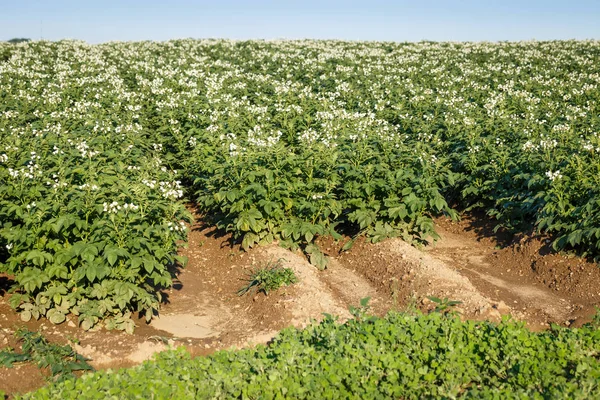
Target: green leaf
440,203
232,195
149,264
25,316
136,262
89,252
90,272
364,302
308,236
111,255
55,316
317,258
183,260
348,245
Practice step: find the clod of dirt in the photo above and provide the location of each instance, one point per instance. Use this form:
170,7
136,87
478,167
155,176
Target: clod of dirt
186,325
97,357
145,351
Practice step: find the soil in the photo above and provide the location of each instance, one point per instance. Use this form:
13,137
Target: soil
490,274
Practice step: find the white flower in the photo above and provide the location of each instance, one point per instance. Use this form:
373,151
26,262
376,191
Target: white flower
233,150
112,208
57,184
468,121
309,136
130,206
85,151
553,175
150,184
529,146
3,158
177,227
171,190
88,186
548,144
157,146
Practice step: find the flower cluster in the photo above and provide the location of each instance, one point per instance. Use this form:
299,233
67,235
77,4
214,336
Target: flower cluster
85,151
115,207
552,175
171,190
177,227
87,186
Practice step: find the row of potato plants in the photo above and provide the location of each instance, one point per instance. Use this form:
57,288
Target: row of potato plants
90,222
394,132
277,141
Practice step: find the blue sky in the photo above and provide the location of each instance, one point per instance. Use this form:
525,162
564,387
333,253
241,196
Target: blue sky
101,21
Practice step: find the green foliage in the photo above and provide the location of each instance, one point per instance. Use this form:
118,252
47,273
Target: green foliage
296,191
277,141
61,360
268,278
399,356
443,305
89,218
361,313
88,236
595,322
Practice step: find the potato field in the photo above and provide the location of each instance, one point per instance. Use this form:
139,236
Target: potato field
105,150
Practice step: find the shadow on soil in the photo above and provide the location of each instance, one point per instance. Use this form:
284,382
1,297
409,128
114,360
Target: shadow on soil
486,227
5,284
175,271
214,232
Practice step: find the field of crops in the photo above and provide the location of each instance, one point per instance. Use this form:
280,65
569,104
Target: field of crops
102,146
